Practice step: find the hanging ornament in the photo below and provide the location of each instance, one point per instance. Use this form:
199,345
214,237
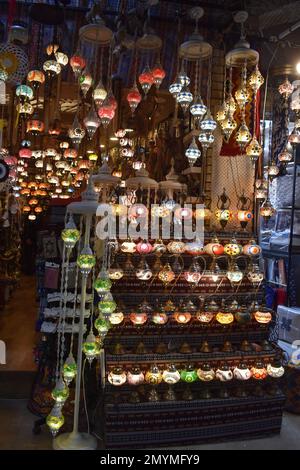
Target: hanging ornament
106,113
285,156
193,275
221,113
256,80
206,139
69,369
192,152
208,123
102,325
117,376
267,210
86,260
24,93
183,79
99,94
36,78
198,109
228,125
51,68
70,235
55,420
166,275
184,98
242,97
286,89
254,150
146,79
230,104
91,347
77,63
243,136
60,393
107,305
175,88
158,74
76,132
91,122
61,58
102,283
85,82
273,171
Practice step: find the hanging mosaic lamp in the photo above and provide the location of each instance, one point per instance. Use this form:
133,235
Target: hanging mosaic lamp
183,79
106,113
102,325
243,136
267,210
286,89
192,152
273,171
85,82
51,68
221,113
24,92
61,58
102,283
36,78
76,132
158,74
206,139
256,80
146,79
69,369
117,376
285,156
70,234
175,88
55,420
234,274
184,98
198,108
60,393
242,97
208,123
254,149
86,260
228,125
91,122
91,347
231,104
77,62
107,305
99,94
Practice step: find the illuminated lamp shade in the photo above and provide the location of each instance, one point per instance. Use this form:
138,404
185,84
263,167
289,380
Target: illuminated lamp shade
251,248
26,209
55,420
230,104
38,209
184,98
117,317
275,370
36,78
208,123
223,216
232,248
221,113
273,171
61,58
99,94
185,213
51,68
183,79
77,63
256,80
228,125
64,145
135,376
171,375
194,248
106,113
69,369
102,325
242,97
160,317
182,317
84,164
138,318
286,89
32,217
285,156
176,247
24,109
254,150
234,274
244,216
85,82
134,98
203,213
86,260
91,347
189,374
175,88
263,316
93,157
166,275
70,153
111,100
115,273
76,132
267,210
52,48
144,247
24,92
224,318
55,127
243,136
198,108
158,74
258,371
206,139
35,127
137,210
192,152
107,305
206,373
70,234
33,201
214,248
91,122
25,153
146,79
153,376
60,393
117,376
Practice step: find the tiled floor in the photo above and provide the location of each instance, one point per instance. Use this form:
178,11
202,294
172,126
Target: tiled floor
17,423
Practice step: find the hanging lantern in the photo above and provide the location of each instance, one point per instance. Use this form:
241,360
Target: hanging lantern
76,132
99,94
111,100
234,274
184,98
273,171
230,105
221,113
208,123
70,153
188,374
193,275
36,78
102,325
106,113
254,150
267,210
69,369
153,376
55,420
144,248
91,122
228,125
176,247
91,347
77,63
198,108
262,315
35,127
24,92
275,369
51,68
134,98
251,248
171,375
256,80
24,109
86,260
175,88
70,235
285,156
206,139
158,74
242,97
286,89
244,216
243,136
205,373
183,79
192,152
232,248
135,376
61,58
107,305
117,376
214,248
85,82
25,153
146,79
259,371
60,393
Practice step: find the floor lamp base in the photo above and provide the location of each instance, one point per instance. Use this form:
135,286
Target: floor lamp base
75,441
